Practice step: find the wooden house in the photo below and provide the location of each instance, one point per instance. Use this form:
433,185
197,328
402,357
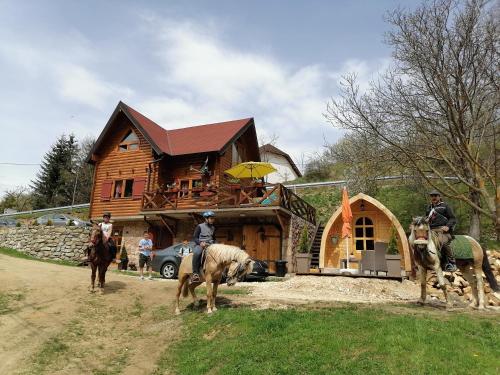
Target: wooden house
372,225
161,180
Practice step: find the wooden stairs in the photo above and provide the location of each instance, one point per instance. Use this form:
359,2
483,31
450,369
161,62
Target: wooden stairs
316,246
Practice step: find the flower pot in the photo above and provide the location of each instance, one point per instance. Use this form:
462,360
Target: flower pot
235,186
393,265
303,262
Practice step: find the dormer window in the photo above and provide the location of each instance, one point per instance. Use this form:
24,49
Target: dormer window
129,142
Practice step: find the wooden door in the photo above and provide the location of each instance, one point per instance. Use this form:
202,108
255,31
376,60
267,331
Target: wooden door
162,238
263,242
117,236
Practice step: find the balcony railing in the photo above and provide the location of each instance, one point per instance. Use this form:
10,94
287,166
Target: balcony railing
228,197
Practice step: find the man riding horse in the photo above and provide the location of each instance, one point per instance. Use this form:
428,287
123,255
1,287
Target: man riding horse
204,235
442,221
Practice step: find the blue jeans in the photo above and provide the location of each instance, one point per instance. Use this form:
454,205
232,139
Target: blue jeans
198,250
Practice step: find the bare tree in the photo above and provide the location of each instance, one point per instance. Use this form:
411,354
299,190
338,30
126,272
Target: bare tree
19,199
436,109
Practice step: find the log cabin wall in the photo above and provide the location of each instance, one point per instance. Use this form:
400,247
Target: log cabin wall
113,165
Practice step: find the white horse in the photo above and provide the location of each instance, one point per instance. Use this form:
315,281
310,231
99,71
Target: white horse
218,257
425,244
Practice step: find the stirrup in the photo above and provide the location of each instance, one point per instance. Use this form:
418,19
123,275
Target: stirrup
450,267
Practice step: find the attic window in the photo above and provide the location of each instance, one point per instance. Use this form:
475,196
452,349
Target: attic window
129,142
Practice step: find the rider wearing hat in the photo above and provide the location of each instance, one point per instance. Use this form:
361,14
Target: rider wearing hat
442,220
107,231
204,235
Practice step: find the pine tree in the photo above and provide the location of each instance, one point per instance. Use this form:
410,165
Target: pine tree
85,172
54,182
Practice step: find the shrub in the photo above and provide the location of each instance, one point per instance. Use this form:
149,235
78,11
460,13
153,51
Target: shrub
18,224
392,246
304,241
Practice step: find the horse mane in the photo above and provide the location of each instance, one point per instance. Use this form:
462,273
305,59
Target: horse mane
227,253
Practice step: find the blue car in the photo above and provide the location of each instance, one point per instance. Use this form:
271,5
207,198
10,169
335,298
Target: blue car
168,260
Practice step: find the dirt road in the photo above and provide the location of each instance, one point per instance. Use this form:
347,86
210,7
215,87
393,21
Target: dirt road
50,323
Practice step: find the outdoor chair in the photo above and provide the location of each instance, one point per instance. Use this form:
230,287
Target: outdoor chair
380,262
367,261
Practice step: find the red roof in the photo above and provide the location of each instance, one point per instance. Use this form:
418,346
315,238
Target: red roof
190,140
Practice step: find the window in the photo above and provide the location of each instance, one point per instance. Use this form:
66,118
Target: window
128,188
129,142
236,155
123,188
118,189
364,235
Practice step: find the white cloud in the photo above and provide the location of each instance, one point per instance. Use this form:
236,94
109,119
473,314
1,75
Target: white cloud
78,84
206,80
64,67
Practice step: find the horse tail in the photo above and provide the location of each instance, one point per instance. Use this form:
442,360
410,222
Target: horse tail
488,272
185,288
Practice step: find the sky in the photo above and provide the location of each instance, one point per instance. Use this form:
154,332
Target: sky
64,66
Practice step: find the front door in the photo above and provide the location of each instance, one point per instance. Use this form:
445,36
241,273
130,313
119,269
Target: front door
263,242
162,237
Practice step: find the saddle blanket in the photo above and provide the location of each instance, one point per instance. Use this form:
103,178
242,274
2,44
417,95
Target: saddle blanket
461,247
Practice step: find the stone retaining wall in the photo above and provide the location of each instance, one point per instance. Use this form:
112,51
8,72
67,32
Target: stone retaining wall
47,242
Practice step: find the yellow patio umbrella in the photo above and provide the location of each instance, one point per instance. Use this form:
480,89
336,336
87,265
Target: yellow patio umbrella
251,169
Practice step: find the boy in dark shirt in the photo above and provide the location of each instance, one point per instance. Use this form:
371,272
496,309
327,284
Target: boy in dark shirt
204,235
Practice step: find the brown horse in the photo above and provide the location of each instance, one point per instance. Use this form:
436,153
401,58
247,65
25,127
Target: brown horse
99,257
218,258
425,243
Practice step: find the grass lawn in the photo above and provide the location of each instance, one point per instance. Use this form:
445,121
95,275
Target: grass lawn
343,340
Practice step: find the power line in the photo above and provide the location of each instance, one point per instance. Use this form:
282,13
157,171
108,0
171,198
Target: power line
19,164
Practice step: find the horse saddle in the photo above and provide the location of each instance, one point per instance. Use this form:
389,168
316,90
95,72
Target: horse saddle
461,247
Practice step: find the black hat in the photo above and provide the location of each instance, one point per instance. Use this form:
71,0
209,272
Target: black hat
434,192
108,214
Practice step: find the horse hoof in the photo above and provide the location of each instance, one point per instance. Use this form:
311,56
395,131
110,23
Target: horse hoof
214,309
101,291
209,312
177,312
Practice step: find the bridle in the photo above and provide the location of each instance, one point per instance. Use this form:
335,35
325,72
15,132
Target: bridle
95,238
421,242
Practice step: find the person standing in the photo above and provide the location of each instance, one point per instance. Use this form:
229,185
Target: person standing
204,235
185,249
442,221
145,252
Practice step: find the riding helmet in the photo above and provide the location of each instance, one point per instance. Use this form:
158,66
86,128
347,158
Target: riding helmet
108,214
208,214
434,192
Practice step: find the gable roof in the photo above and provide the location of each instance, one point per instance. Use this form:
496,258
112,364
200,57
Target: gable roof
274,150
190,140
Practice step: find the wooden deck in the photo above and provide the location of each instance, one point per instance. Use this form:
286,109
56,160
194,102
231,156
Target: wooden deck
242,197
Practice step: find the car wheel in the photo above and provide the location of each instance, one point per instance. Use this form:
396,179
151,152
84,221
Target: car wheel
168,270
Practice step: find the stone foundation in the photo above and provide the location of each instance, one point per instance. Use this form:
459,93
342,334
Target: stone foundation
47,242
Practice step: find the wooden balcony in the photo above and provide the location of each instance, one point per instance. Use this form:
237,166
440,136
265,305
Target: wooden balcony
269,195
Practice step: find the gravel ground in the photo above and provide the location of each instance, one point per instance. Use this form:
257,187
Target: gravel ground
338,288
